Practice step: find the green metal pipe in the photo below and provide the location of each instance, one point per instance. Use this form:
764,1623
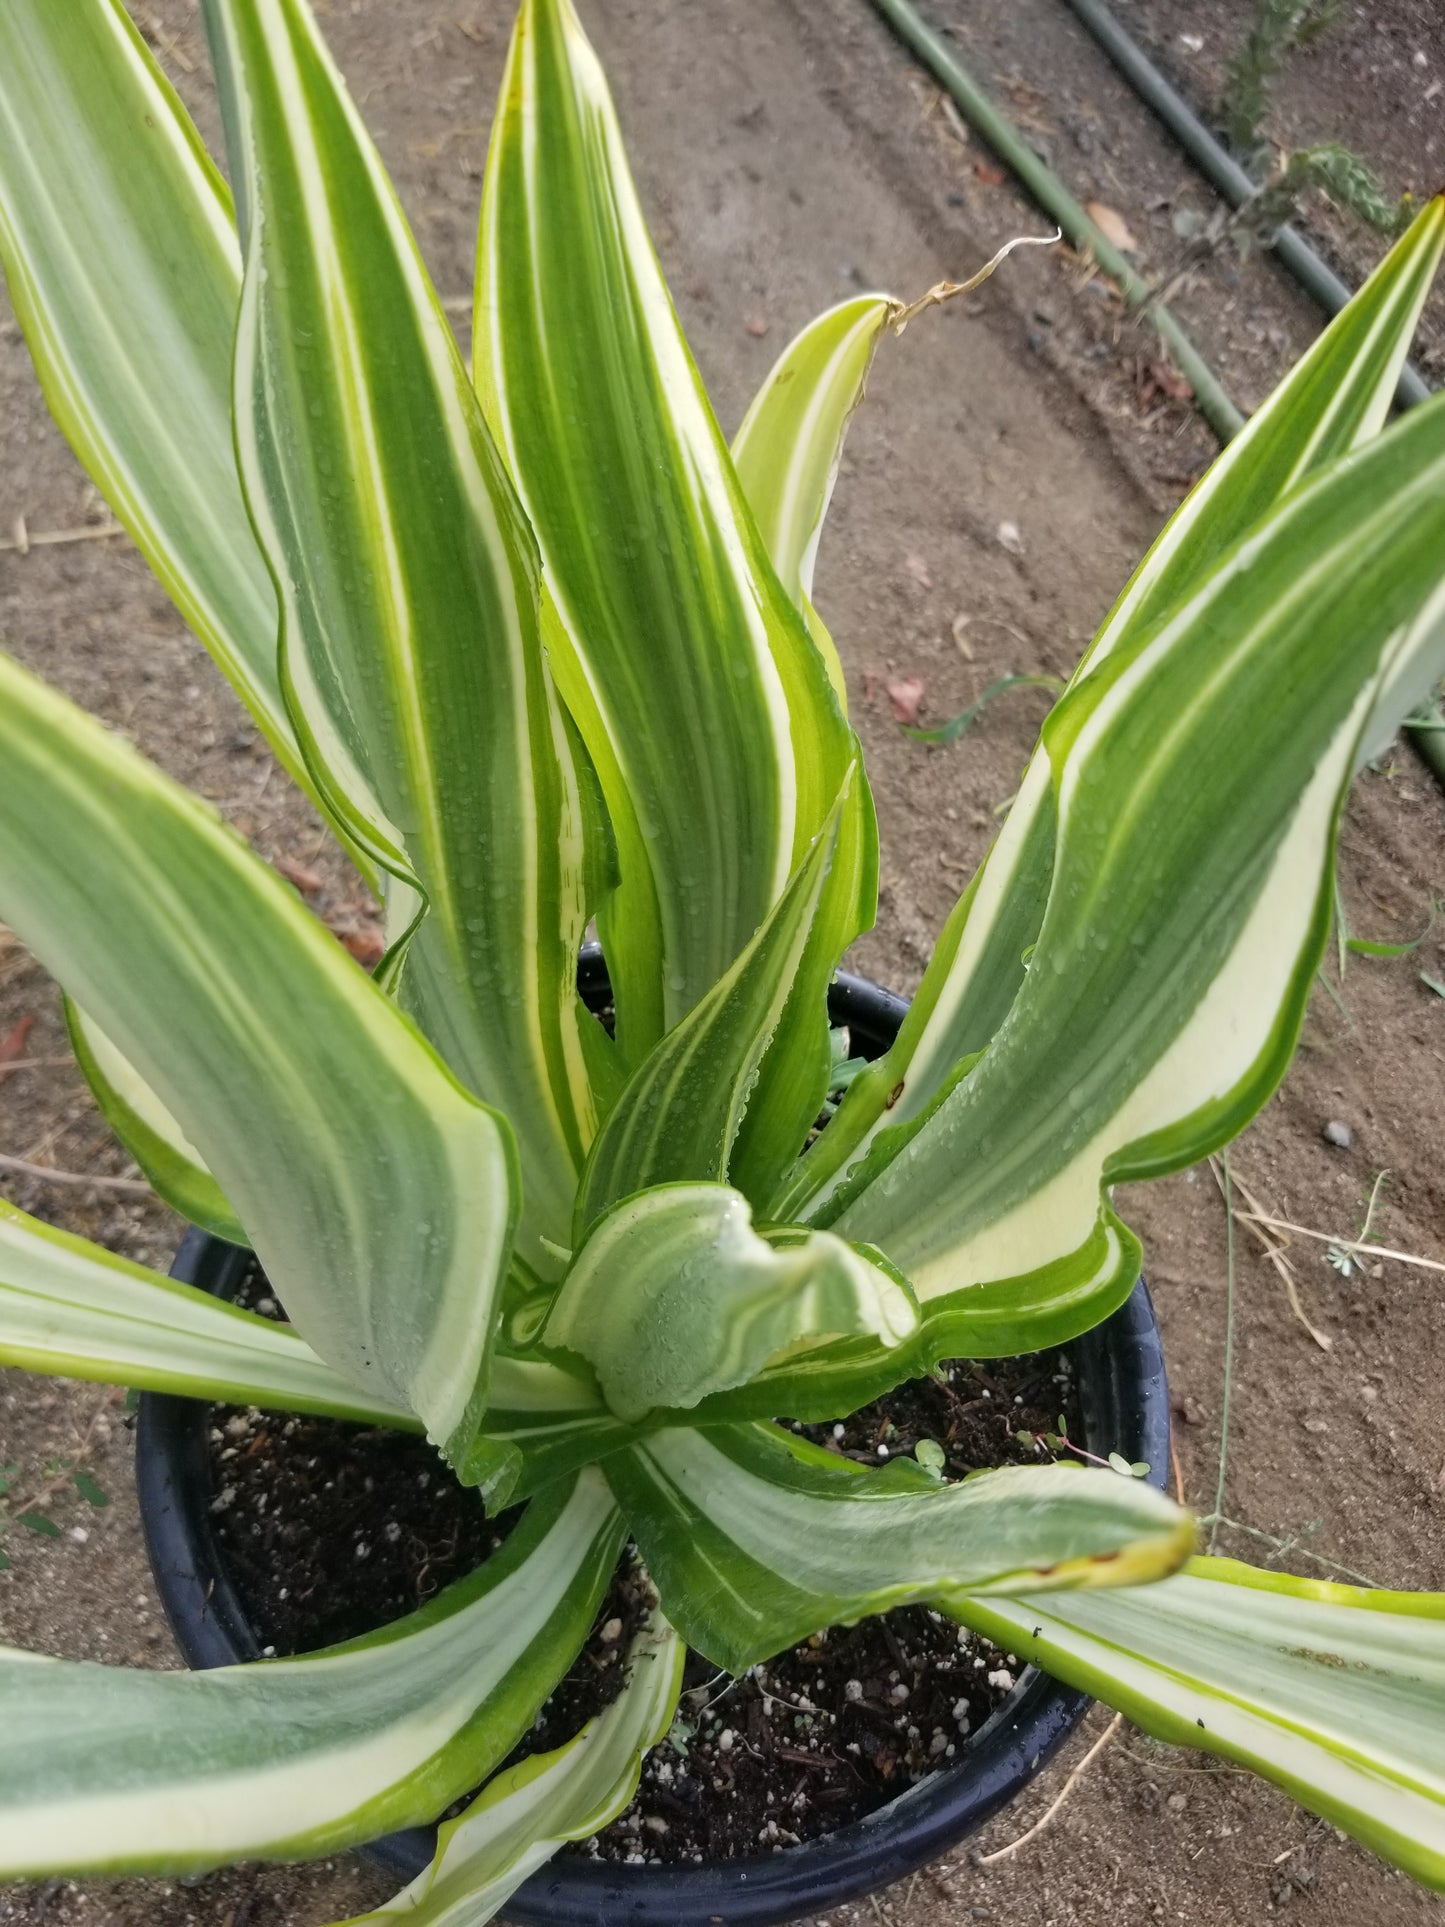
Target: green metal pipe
1055,199
1049,191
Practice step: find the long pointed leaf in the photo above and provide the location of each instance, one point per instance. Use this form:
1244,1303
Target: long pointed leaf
351,1155
411,644
113,1770
755,1538
706,706
1335,1693
69,1307
527,1813
790,443
675,1296
680,1113
1150,1028
127,280
1335,399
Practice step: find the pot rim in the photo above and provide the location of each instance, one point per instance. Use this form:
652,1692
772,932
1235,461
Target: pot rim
1124,1396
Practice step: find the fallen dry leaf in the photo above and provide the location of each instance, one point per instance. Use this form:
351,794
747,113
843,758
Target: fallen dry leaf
960,636
904,694
1161,377
13,1042
917,567
1112,225
367,946
306,881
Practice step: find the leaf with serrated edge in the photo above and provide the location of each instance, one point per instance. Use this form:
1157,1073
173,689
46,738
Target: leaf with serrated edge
754,1538
348,1150
108,1769
411,655
675,1296
71,1308
528,1812
1336,1693
1335,399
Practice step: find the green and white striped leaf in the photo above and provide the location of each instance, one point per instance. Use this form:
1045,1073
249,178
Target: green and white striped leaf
791,441
119,249
1154,1021
149,1133
106,1769
706,706
1335,1693
70,1308
755,1538
544,1421
680,1113
351,1155
528,1812
411,653
1336,399
675,1296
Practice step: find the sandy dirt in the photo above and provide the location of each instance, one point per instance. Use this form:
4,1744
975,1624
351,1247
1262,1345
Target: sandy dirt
789,154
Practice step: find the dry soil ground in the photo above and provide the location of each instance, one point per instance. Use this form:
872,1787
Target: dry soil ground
788,153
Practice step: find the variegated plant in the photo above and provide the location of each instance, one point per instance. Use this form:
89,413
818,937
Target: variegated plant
542,649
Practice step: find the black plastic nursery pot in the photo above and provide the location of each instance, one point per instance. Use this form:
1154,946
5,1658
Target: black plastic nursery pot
1124,1405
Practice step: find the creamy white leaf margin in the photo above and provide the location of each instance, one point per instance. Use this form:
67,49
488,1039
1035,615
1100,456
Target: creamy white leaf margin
70,1308
116,1770
530,1811
350,1153
675,1296
1336,1693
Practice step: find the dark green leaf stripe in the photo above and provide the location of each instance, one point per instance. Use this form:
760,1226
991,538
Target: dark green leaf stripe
707,707
681,1111
755,1538
1335,399
350,1153
411,647
1336,1693
1152,1024
114,1770
526,1813
127,280
69,1307
676,1296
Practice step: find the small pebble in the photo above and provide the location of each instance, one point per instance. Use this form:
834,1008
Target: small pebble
1009,538
853,1690
725,1740
840,1432
612,1631
898,1693
883,1451
1177,1802
1003,1679
1338,1134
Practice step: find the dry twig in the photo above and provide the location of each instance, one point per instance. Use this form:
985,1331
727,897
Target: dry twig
80,1180
1007,1853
